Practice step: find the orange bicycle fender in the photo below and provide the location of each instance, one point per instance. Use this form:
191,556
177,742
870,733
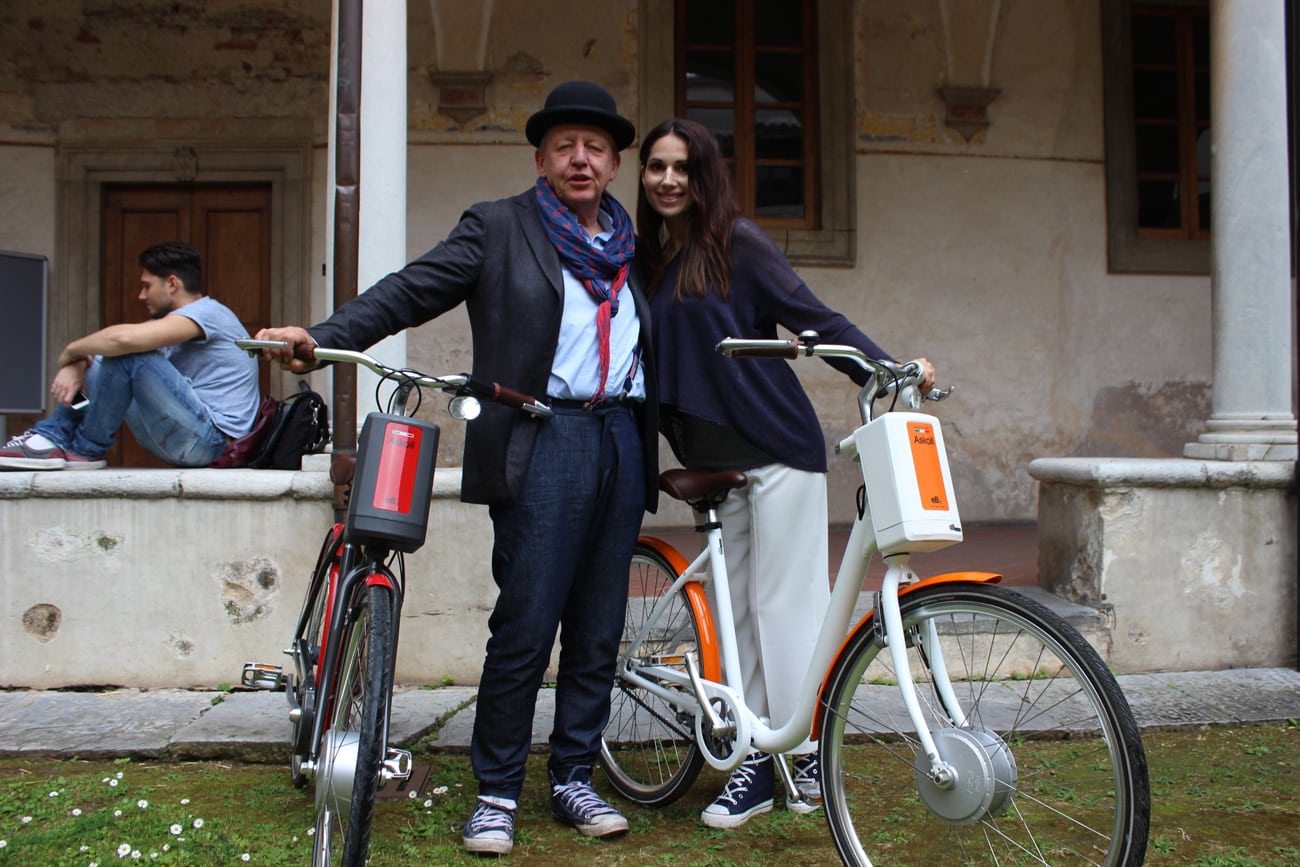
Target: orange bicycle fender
945,578
710,655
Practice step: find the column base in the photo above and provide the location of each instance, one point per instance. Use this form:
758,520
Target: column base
1245,438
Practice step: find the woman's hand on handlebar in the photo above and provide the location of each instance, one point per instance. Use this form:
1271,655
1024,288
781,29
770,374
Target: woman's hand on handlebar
295,337
927,374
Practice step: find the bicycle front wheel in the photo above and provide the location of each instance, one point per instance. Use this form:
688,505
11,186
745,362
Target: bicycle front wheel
353,750
648,750
1049,763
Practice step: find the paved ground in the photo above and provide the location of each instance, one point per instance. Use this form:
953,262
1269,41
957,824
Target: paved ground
254,726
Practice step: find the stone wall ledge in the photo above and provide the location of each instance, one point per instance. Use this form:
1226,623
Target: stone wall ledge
1163,473
195,484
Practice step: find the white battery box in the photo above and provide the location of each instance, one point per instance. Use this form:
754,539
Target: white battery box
909,486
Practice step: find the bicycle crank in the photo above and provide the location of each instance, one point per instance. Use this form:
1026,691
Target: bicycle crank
724,745
979,776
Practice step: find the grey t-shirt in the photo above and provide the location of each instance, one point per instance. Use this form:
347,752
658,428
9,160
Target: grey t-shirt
222,375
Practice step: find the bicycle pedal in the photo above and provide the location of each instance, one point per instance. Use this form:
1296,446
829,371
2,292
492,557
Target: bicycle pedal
260,675
397,765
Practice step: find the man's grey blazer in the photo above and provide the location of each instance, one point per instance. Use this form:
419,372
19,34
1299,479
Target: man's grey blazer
500,263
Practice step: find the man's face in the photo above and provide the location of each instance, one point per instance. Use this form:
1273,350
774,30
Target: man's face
156,294
579,162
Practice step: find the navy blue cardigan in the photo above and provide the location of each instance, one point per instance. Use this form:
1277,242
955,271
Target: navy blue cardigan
760,399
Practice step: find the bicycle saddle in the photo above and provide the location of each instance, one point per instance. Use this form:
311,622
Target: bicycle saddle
701,490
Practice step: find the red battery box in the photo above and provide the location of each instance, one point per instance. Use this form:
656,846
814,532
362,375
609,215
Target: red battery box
393,483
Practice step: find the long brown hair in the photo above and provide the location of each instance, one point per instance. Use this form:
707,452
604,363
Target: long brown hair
706,255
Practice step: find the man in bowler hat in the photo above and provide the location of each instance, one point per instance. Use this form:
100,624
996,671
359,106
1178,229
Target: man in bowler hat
555,308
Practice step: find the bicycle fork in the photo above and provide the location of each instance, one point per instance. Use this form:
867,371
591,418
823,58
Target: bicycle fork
897,573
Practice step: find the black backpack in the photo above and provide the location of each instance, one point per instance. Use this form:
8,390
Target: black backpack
300,426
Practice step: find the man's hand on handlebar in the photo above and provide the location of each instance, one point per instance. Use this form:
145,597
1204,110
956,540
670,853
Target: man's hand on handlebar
292,335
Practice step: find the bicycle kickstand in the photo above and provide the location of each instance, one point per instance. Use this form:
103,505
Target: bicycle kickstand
793,794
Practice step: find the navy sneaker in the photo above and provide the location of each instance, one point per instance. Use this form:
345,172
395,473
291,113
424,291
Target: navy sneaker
490,829
807,775
748,793
576,803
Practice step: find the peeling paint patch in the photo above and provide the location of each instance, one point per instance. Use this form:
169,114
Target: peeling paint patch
1213,572
878,127
42,622
247,587
180,645
1144,421
58,544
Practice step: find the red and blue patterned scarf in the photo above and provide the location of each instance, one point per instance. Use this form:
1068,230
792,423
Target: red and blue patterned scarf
603,271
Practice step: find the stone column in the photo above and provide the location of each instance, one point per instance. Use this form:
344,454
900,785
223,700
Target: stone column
382,216
1250,277
382,247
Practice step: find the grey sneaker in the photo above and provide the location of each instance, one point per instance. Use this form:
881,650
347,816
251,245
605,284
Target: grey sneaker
576,803
18,455
80,462
490,829
808,783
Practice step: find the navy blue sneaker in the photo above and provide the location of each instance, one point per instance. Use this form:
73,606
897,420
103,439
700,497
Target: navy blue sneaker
807,775
747,794
576,803
490,829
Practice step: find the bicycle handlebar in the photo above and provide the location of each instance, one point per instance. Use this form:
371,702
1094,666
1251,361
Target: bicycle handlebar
885,376
461,384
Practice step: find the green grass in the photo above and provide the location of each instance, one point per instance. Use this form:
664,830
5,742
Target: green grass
1224,797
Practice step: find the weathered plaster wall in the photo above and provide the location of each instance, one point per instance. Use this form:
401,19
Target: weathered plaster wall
118,578
987,256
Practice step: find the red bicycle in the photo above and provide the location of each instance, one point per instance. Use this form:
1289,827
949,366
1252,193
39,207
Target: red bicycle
344,647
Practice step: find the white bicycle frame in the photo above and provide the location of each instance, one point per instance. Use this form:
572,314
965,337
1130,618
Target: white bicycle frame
742,727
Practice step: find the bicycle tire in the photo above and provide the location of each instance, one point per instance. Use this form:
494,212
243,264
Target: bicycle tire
648,750
1063,764
307,646
353,753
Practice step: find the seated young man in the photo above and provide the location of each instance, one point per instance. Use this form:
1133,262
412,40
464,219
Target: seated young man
176,379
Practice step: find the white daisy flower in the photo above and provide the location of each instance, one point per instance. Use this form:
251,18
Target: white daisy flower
124,850
175,829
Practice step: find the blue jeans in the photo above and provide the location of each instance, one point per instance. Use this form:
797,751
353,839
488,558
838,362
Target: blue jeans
560,561
147,392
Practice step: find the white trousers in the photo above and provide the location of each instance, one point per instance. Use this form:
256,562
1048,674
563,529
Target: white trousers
774,536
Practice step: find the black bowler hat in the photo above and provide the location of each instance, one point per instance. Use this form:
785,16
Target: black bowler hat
581,102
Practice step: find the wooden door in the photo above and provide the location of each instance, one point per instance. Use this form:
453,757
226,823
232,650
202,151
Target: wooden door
230,226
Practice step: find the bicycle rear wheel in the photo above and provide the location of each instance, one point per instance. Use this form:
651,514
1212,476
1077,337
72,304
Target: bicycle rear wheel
1050,763
648,750
353,750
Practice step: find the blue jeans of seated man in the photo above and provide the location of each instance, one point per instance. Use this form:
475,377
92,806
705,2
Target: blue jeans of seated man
560,561
159,405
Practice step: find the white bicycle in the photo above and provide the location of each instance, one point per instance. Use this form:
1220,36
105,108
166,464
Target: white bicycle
957,722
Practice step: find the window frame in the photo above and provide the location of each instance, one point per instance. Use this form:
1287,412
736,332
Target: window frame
1130,249
830,238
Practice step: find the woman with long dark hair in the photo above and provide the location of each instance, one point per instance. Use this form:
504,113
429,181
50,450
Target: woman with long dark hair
714,274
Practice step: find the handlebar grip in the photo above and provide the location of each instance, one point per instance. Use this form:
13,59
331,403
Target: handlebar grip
510,397
305,352
787,349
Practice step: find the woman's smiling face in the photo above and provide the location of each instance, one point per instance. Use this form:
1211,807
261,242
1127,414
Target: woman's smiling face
666,177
